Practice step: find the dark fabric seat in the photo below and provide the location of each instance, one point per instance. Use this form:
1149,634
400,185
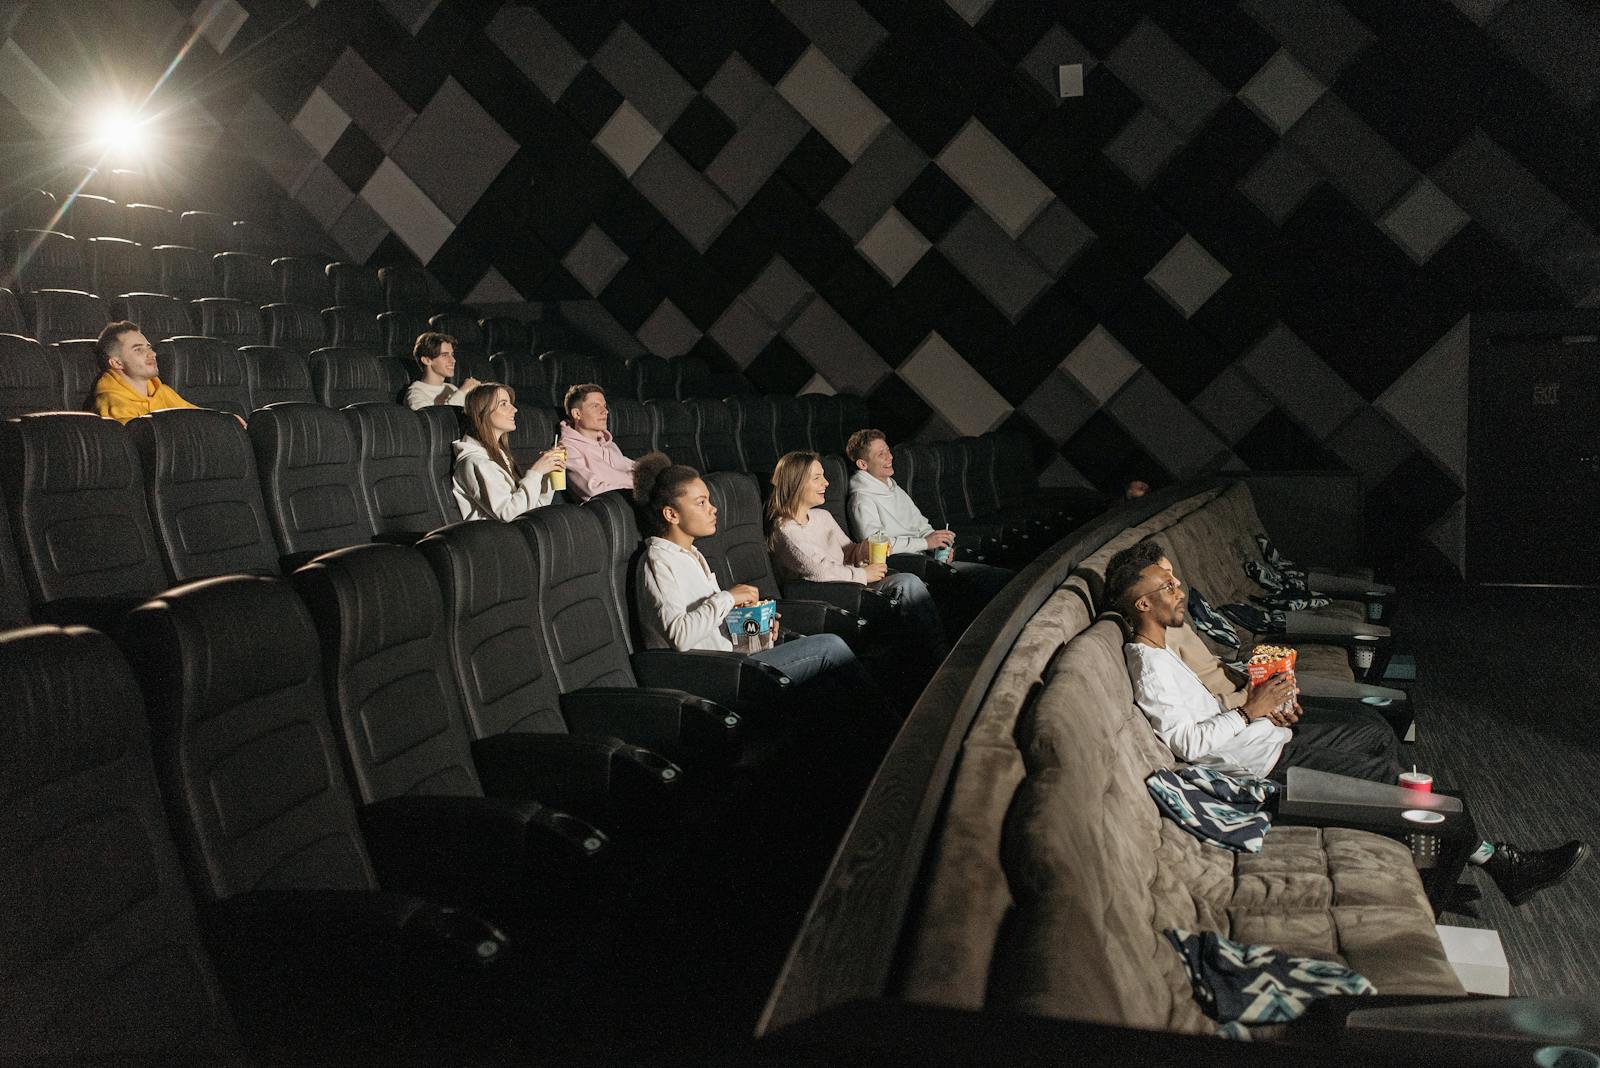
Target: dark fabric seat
81,528
158,315
152,225
672,430
67,314
294,327
502,661
45,259
302,281
118,266
400,330
824,422
404,288
204,494
614,376
443,425
715,442
186,273
352,325
80,370
270,837
536,431
653,378
379,617
524,374
233,321
629,424
93,216
790,424
104,960
14,611
245,277
563,369
274,376
206,231
354,285
11,319
206,372
753,430
306,457
30,381
395,469
341,376
26,209
501,334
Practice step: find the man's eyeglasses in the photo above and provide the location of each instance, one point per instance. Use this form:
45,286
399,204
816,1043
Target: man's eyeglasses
1165,587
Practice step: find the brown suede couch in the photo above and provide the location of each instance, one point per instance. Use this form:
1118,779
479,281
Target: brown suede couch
1051,875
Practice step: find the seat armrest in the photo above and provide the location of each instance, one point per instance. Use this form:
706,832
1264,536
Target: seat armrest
603,780
398,537
750,688
872,605
327,921
815,617
420,841
923,566
670,721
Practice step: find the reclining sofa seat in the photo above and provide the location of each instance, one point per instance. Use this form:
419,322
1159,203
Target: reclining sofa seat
1097,884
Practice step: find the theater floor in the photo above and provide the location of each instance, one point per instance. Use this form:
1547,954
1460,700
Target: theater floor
1507,696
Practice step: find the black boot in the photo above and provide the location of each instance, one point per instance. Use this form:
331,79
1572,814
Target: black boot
1520,874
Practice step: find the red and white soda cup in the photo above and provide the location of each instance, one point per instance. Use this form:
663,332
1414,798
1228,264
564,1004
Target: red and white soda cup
1420,781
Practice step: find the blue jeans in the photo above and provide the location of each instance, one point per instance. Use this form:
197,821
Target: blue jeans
825,673
922,631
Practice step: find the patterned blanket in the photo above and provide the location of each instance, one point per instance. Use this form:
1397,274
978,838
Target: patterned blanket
1241,986
1214,807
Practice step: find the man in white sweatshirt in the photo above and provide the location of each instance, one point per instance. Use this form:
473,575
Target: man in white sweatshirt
876,503
435,353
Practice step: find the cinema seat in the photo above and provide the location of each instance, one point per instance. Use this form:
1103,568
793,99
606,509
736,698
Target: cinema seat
203,494
81,528
394,471
629,424
306,456
672,430
753,418
341,376
186,273
159,316
716,445
206,372
245,277
233,321
275,376
294,327
302,281
104,960
67,315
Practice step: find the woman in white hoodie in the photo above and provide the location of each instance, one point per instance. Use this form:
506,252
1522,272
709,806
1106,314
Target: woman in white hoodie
487,483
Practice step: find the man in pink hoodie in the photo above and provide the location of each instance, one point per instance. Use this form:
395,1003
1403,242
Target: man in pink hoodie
594,463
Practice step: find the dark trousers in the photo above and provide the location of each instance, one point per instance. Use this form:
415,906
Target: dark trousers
1356,743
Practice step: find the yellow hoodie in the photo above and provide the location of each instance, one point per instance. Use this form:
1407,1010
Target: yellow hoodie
115,399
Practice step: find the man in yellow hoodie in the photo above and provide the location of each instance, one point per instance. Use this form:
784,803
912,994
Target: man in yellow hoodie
128,387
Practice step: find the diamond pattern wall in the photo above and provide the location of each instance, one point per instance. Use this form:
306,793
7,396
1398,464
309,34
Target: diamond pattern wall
1157,238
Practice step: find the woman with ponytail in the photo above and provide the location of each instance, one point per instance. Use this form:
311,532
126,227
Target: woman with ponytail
487,484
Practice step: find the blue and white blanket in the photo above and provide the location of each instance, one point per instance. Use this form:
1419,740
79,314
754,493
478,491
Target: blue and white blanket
1214,807
1241,986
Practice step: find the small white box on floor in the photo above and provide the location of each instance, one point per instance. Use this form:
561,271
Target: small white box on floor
1478,958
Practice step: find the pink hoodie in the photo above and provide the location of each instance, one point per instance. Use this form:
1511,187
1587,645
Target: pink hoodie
593,467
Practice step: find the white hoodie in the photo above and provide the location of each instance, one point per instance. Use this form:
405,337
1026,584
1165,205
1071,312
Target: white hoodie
884,506
485,490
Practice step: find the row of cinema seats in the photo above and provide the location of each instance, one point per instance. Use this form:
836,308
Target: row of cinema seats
189,493
346,757
131,216
1051,876
214,348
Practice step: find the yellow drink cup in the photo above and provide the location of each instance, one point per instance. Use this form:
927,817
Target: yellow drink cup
558,477
879,547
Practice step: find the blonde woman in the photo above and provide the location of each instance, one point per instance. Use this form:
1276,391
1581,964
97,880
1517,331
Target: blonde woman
487,483
807,544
